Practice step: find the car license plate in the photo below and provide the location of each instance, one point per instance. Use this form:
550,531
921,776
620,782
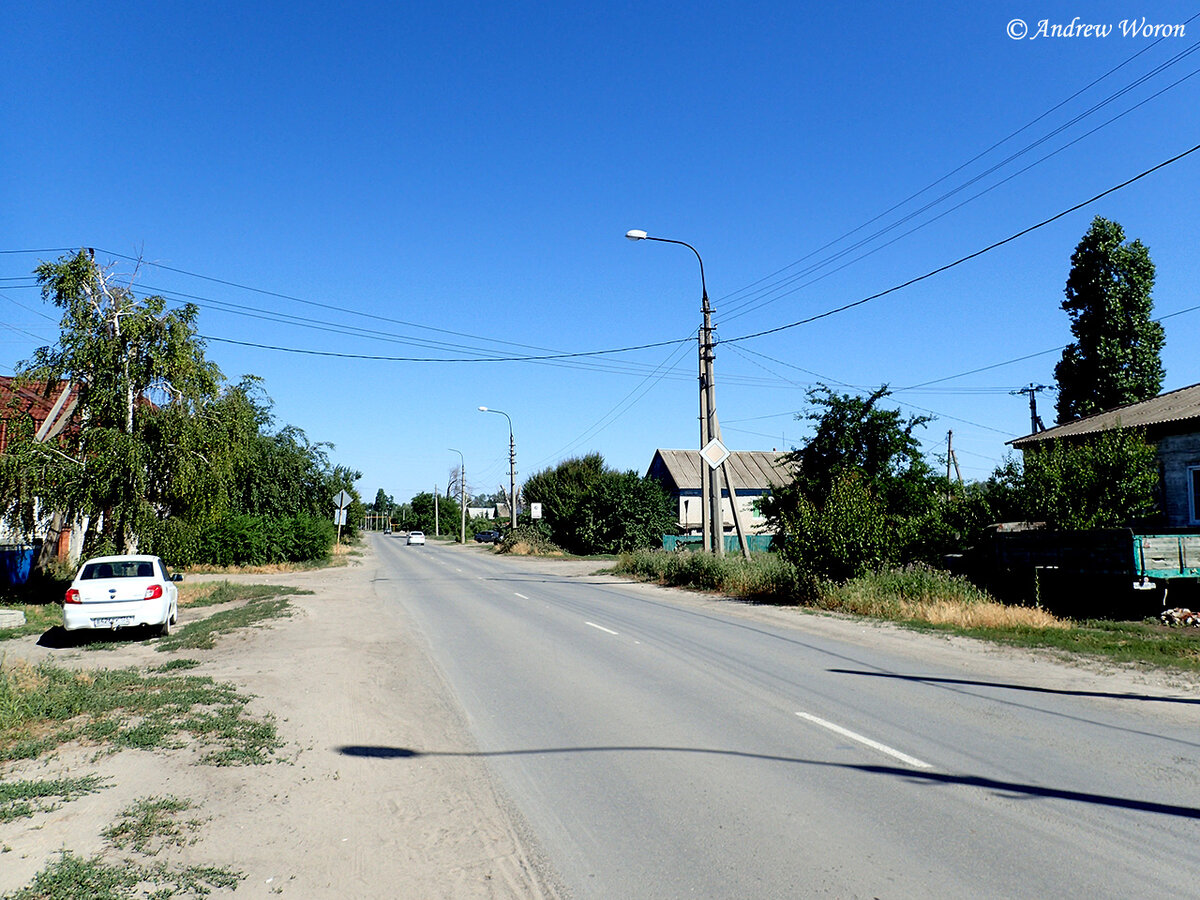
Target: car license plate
111,621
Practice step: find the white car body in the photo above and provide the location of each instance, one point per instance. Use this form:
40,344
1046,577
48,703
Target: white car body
416,537
122,592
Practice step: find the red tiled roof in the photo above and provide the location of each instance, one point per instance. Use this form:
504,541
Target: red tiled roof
35,400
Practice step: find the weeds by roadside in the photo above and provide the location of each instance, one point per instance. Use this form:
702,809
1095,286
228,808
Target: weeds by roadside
922,598
201,635
21,799
197,594
71,877
152,823
43,707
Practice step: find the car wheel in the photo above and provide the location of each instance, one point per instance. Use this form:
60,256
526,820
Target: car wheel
165,628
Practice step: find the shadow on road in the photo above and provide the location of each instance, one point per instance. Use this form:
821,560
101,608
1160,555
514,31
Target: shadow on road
1005,788
58,638
1017,687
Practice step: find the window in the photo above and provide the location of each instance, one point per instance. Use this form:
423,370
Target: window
1194,494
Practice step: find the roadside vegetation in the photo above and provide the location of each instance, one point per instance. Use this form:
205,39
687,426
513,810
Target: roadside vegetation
142,831
45,707
71,877
918,597
263,603
22,799
161,452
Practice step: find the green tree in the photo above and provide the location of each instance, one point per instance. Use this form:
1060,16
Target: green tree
130,359
442,519
589,508
863,493
1114,359
1108,481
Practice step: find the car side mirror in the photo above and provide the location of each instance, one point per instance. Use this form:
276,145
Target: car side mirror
178,576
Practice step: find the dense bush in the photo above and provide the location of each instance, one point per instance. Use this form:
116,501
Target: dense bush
590,508
241,541
530,539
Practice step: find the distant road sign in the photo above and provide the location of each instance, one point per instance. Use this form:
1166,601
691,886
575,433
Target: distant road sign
342,500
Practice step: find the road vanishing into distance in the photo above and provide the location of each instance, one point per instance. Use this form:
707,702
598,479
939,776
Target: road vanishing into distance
657,745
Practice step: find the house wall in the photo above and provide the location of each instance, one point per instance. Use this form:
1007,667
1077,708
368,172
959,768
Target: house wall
1175,454
691,513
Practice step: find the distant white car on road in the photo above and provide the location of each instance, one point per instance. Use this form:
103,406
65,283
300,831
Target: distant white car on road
416,537
122,592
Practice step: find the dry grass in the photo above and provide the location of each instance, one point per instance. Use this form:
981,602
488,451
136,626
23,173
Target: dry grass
980,615
522,548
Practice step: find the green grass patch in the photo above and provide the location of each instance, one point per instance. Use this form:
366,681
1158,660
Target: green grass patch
39,618
44,707
21,799
177,665
71,877
1136,643
763,578
201,635
152,823
922,598
214,593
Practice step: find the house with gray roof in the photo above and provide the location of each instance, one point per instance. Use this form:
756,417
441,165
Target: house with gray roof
752,472
1171,422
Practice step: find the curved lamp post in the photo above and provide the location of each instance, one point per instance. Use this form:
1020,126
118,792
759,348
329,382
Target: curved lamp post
710,429
512,465
462,501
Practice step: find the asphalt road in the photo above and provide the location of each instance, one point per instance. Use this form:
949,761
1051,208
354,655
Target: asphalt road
661,746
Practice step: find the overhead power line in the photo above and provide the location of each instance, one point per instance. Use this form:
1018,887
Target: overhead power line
740,307
654,344
963,259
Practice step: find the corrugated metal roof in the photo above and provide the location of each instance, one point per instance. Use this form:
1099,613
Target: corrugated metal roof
750,470
1174,406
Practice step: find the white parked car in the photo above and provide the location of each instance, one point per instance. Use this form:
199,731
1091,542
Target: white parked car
122,592
416,537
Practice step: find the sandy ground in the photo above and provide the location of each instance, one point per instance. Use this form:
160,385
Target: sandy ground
321,822
372,822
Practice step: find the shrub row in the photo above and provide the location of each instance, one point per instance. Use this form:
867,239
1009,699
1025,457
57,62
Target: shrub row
241,541
764,577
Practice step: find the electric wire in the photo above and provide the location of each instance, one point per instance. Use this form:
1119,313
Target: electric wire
792,288
969,162
963,259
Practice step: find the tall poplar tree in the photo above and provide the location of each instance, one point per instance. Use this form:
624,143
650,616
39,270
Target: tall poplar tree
1114,359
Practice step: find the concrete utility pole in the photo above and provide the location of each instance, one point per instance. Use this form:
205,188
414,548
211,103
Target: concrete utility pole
436,526
462,484
512,465
710,429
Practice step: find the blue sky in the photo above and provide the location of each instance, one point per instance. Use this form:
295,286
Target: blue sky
455,180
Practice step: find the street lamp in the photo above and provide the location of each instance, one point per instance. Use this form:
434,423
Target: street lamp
710,429
462,481
512,465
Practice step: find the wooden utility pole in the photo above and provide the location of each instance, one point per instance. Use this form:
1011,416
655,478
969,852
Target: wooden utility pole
1035,421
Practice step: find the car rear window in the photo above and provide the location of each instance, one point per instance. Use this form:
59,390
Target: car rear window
118,569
